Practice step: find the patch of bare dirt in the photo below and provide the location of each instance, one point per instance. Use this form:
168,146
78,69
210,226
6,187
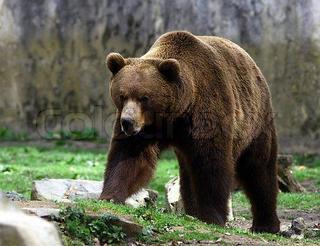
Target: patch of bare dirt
310,186
241,240
35,204
223,240
243,218
310,217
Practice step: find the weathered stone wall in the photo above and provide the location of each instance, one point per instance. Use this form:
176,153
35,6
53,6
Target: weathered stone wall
52,53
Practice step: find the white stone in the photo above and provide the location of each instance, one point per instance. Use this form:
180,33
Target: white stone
174,199
142,198
19,229
67,190
230,214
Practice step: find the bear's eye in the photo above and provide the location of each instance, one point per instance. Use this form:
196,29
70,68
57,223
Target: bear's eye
144,99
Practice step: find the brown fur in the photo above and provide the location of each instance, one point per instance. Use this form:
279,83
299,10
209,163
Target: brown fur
211,103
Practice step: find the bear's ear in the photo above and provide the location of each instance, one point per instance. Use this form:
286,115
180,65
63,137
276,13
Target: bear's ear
115,62
170,68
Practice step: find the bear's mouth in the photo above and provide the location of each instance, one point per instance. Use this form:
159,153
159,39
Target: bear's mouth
131,132
129,127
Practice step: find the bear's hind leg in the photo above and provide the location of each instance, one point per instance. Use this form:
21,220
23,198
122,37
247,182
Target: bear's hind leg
256,171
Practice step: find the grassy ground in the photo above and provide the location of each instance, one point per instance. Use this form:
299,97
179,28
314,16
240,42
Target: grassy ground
20,165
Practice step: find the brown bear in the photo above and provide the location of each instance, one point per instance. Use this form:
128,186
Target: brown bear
206,98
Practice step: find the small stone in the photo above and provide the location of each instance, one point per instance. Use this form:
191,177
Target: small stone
13,196
288,233
144,197
174,199
298,225
297,229
230,214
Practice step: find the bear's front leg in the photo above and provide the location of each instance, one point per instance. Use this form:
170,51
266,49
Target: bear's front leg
130,166
212,170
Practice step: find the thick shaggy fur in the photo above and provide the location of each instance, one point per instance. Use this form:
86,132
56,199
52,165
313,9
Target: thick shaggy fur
214,109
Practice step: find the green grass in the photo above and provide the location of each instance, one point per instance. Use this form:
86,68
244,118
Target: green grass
60,137
78,225
89,134
163,227
7,134
20,165
303,201
307,168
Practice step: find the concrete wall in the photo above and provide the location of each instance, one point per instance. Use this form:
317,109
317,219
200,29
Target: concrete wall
52,54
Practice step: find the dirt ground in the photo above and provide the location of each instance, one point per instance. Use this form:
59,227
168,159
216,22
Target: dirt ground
311,218
310,186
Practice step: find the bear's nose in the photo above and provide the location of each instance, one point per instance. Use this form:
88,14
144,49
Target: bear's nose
127,125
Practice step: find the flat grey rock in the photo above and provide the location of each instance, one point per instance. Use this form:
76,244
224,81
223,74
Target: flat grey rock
45,213
68,190
65,190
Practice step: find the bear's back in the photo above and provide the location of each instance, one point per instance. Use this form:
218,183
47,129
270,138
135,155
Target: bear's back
222,68
249,88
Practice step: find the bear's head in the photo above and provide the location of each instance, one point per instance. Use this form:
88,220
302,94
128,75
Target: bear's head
142,88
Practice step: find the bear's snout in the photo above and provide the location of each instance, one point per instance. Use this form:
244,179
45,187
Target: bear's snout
131,120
